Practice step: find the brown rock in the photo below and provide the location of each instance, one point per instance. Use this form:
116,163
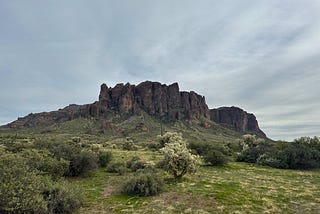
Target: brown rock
237,119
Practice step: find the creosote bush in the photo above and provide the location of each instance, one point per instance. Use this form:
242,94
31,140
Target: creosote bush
143,183
62,197
81,161
213,154
104,158
26,189
117,167
135,163
215,158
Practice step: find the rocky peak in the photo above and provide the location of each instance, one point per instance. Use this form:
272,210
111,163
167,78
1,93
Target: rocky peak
154,98
237,119
165,102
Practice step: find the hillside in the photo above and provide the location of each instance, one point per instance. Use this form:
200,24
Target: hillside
141,110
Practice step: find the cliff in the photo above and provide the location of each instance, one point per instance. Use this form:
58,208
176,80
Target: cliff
237,119
156,99
165,102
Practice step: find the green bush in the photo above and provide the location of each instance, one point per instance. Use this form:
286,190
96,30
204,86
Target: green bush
303,153
117,167
81,160
20,186
43,161
82,163
212,153
154,146
62,197
143,183
253,148
105,158
129,145
135,163
25,188
215,158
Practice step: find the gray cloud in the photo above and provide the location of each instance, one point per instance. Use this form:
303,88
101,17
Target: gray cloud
259,55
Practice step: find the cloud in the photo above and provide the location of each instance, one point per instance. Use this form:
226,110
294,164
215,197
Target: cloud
259,55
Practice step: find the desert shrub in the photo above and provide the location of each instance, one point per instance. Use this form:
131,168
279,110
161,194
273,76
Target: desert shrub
129,145
212,153
82,163
252,148
215,158
154,146
104,158
117,167
135,163
298,155
20,186
303,153
80,160
272,161
143,183
43,161
177,158
76,139
25,188
62,197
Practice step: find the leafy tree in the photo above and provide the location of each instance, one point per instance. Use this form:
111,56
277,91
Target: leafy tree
177,158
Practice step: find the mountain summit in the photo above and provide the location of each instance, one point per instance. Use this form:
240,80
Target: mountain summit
164,102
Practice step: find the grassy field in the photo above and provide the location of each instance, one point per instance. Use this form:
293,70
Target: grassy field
235,188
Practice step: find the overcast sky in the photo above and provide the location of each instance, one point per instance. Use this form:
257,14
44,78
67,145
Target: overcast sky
260,55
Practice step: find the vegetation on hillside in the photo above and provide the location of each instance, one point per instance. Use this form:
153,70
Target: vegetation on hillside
138,172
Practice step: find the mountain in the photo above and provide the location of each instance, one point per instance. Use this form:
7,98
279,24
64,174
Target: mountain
164,102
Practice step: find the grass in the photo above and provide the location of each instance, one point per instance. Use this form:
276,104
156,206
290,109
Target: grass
235,188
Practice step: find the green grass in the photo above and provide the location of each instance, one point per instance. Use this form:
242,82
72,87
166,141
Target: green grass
235,188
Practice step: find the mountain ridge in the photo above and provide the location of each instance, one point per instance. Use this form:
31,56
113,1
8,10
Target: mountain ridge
165,102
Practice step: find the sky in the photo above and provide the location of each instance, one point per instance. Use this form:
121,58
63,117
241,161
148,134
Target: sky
260,55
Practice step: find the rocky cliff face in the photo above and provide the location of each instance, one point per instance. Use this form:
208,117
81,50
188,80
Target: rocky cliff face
154,98
165,102
237,119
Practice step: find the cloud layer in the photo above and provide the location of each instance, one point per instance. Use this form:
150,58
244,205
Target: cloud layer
262,56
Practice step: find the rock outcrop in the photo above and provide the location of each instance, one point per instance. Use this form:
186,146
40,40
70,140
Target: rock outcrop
165,102
156,99
236,119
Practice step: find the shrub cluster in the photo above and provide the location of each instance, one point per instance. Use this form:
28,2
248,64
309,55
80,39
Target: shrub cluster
213,154
303,153
105,158
26,186
117,167
81,161
143,183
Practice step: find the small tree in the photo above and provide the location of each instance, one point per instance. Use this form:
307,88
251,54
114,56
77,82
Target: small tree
177,158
